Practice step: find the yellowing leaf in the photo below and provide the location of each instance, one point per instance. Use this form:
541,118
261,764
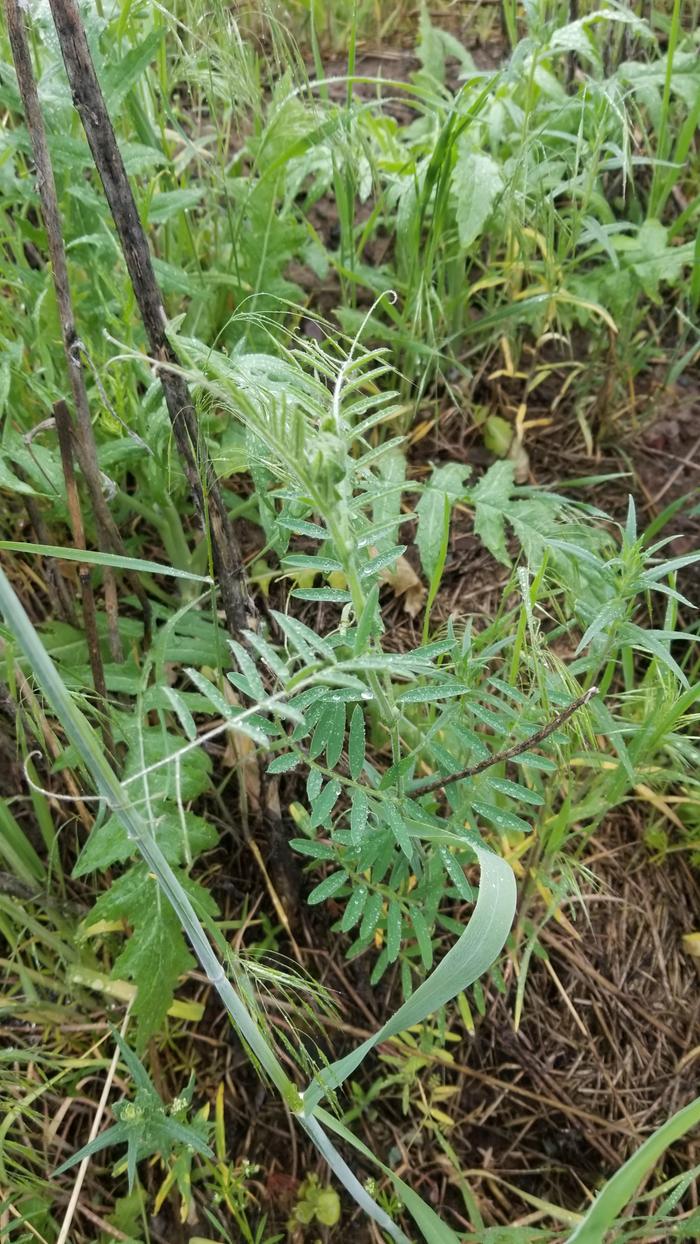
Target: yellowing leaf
405,583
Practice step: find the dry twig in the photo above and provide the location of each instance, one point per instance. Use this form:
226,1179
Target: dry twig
539,736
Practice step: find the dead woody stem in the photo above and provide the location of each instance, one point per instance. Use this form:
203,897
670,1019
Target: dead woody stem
198,467
84,440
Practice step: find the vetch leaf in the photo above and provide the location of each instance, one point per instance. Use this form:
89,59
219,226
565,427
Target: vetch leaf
327,888
370,919
395,821
354,909
323,806
336,733
285,763
393,931
358,816
356,742
423,938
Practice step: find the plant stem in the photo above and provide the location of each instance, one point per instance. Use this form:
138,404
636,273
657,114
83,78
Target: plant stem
430,784
201,477
84,442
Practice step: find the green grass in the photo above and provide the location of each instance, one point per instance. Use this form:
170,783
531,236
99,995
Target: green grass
535,224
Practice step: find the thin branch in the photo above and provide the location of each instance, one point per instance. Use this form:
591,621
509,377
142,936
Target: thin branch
52,569
198,466
439,783
64,428
84,442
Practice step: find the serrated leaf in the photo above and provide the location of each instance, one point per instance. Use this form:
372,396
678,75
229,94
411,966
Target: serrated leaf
155,956
356,742
490,497
109,842
151,745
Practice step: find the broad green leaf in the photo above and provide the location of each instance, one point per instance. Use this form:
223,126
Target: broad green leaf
120,75
387,506
108,842
476,182
169,203
155,955
491,496
433,510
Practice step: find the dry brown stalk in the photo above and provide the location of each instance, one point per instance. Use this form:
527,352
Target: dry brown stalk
64,428
199,470
84,441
